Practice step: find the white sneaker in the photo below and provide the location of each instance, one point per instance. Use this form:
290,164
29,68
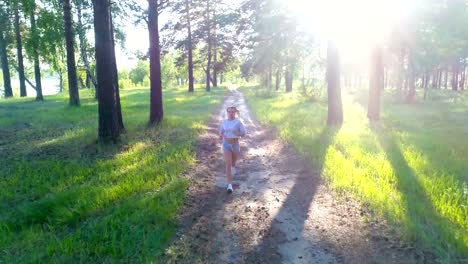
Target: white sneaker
233,171
229,188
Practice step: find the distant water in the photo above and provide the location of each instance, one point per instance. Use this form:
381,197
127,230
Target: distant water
50,86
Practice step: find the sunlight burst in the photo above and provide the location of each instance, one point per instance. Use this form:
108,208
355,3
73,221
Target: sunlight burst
353,25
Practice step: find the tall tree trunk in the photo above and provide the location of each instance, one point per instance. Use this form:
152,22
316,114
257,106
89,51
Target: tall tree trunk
411,96
335,105
60,81
435,80
278,78
83,43
88,81
71,65
427,79
288,79
406,83
37,67
189,45
156,103
426,87
5,67
107,107
463,74
209,42
455,70
446,78
19,50
270,77
116,79
215,51
439,79
376,84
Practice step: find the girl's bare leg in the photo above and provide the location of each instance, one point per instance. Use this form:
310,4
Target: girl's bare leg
228,160
234,158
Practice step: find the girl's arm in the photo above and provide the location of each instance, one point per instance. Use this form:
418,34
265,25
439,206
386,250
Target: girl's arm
221,129
242,131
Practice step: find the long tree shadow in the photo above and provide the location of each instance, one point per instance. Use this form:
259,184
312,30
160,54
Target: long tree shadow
421,221
297,202
193,243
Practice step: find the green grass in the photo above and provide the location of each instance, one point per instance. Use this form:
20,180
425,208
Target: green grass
64,198
411,169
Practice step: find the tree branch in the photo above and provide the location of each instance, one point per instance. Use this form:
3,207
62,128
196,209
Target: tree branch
26,78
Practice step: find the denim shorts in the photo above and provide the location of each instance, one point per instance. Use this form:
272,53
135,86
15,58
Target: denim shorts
234,147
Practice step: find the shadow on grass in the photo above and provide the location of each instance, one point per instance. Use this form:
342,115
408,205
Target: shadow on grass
302,193
132,230
67,189
421,221
83,190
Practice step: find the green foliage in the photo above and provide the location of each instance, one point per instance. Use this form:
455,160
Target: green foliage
66,199
124,79
124,74
125,83
168,70
411,169
140,72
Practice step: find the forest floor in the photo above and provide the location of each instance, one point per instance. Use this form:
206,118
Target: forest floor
281,210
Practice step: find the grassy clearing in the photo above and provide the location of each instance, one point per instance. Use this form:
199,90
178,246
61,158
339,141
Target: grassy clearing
65,199
411,169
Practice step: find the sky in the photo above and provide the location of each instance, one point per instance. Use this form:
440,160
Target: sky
354,25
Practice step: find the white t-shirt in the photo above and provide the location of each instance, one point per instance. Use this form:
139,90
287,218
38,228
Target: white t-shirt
232,128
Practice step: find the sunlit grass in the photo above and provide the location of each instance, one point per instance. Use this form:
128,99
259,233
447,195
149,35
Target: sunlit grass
66,199
411,168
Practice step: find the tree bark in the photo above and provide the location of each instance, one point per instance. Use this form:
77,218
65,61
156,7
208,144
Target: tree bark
156,103
116,79
215,51
208,41
107,107
88,81
411,96
19,50
189,45
435,79
61,81
439,82
463,74
84,54
426,87
455,70
278,78
5,66
37,67
426,79
71,65
270,77
376,84
446,78
288,79
335,105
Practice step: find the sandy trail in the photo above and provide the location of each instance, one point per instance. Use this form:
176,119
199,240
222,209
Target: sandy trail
280,210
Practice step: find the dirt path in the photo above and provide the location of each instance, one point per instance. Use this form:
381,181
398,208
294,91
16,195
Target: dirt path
280,210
